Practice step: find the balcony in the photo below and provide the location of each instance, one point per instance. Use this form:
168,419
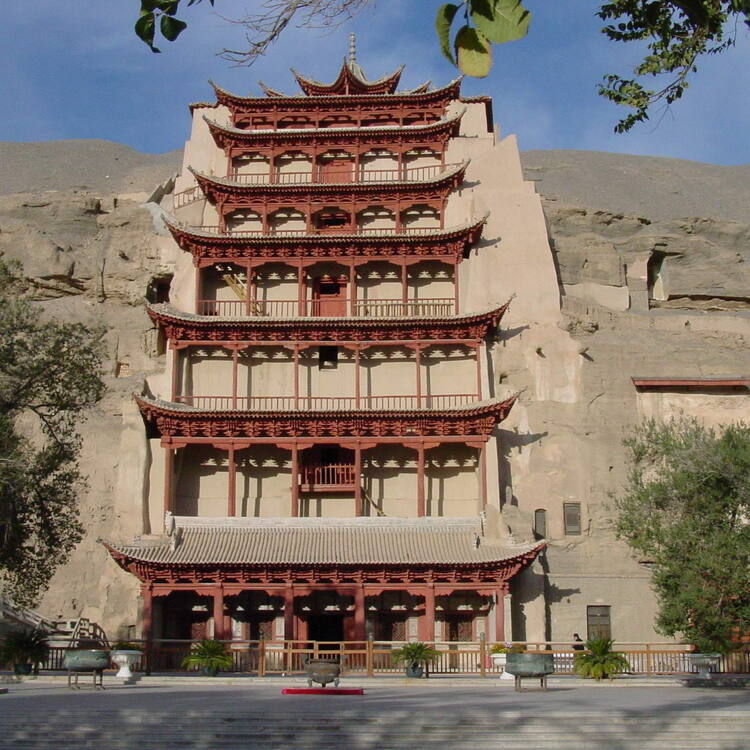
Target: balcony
327,478
328,403
324,175
435,307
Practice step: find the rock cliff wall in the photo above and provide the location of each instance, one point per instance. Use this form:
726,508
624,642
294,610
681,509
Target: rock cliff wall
644,291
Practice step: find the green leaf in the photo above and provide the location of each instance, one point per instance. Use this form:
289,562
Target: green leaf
500,20
144,29
473,52
148,6
170,7
445,15
171,27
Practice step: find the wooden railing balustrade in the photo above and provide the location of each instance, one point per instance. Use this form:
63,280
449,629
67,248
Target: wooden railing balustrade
357,230
319,176
331,475
327,403
367,658
291,308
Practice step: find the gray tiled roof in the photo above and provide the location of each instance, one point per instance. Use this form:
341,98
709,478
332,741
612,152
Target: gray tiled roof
343,541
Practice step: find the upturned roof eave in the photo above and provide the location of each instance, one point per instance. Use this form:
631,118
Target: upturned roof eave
164,312
447,175
451,89
217,129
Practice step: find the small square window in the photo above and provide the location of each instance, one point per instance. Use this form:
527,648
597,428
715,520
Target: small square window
572,518
328,357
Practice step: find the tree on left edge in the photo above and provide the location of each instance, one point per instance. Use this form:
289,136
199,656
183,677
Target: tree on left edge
50,373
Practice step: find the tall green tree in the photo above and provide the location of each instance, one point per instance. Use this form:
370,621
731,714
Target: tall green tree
686,509
675,33
49,374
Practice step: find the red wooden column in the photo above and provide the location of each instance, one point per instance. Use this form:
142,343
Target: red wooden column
404,286
500,615
358,480
289,612
175,370
418,358
352,288
455,285
232,480
250,291
478,356
427,621
147,623
198,290
483,475
218,613
300,288
420,480
235,367
168,478
359,613
295,481
356,376
296,376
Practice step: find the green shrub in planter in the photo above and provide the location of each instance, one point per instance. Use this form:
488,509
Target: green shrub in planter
209,656
599,660
414,656
24,650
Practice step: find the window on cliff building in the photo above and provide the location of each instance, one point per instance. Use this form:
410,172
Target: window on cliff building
655,272
328,357
598,621
540,523
158,288
572,518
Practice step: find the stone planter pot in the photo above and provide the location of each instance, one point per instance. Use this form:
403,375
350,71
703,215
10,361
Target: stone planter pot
414,670
501,660
702,664
126,659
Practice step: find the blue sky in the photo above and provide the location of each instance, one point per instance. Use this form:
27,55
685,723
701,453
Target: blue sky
74,69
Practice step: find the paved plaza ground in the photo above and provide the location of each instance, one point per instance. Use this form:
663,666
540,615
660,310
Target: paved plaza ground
207,715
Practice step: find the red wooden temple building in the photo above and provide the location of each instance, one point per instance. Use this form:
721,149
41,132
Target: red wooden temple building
323,443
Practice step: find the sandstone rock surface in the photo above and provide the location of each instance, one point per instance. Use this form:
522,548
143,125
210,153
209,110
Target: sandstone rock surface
93,253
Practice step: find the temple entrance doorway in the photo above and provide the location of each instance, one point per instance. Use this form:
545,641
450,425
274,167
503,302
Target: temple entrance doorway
329,627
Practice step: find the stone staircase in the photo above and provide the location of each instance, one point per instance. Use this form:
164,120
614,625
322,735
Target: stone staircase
346,728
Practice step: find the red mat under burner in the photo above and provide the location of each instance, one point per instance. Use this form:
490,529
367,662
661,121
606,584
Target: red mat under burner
322,691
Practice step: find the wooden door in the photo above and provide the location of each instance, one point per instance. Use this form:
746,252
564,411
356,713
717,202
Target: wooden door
329,298
336,170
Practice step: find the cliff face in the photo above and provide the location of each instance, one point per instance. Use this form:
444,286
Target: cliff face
644,292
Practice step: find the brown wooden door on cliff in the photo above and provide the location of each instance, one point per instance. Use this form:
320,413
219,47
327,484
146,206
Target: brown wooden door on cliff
336,170
329,298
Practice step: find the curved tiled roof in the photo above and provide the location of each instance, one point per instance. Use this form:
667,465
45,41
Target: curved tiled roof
414,95
337,541
446,175
436,233
474,408
164,310
242,134
350,75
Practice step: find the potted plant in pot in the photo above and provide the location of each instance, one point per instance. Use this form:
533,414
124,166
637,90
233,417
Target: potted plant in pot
24,650
126,656
209,656
415,657
499,655
599,660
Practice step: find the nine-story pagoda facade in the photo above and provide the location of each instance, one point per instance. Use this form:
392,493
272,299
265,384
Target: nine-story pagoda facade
324,461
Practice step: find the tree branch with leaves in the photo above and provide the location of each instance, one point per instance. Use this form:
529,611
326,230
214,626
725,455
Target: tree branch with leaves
676,33
49,375
686,510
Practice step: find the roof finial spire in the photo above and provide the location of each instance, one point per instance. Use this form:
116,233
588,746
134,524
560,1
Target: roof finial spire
352,48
